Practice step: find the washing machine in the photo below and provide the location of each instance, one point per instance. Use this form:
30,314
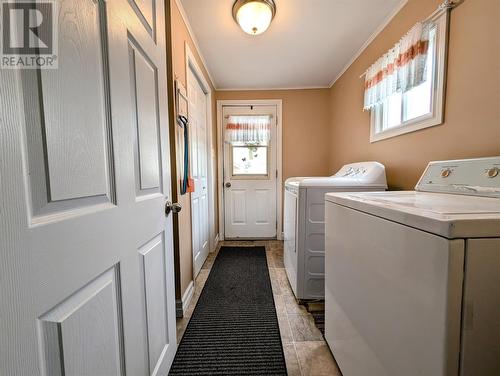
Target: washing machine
413,277
304,222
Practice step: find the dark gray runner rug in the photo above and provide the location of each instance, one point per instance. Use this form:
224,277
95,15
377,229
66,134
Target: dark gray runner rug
234,328
319,320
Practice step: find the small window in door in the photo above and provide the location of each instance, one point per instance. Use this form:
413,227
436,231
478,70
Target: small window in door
249,160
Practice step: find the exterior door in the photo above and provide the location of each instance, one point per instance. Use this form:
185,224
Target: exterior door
197,112
250,176
86,262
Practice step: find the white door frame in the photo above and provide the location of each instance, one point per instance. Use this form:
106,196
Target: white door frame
192,64
279,157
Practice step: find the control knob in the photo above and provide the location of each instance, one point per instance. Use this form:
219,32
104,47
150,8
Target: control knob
492,172
445,173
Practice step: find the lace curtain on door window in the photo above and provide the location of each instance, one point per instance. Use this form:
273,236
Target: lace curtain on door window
248,130
402,68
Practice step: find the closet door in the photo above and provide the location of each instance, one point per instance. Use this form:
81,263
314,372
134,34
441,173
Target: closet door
198,132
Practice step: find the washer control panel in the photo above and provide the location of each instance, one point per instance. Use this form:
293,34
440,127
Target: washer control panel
475,177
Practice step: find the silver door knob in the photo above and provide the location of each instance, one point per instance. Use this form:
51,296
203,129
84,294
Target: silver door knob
228,185
172,208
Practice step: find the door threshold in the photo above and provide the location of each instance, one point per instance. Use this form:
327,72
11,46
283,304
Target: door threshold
248,239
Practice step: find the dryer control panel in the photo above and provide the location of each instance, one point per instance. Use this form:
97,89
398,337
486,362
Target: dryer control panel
354,172
474,177
363,171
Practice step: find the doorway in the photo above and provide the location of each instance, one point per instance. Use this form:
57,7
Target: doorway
200,135
250,161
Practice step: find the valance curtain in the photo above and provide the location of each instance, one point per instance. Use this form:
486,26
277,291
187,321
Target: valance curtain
248,130
402,68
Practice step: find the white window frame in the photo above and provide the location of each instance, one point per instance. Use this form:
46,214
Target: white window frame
436,116
249,176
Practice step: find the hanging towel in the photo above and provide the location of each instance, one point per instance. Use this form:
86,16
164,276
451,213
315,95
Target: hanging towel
185,180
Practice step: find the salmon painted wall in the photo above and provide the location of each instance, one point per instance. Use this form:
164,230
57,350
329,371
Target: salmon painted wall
472,110
179,36
305,128
326,128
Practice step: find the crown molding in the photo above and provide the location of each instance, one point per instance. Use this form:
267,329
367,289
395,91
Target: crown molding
377,31
184,16
275,88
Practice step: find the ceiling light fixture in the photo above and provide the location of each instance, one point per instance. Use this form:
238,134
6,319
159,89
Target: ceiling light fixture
254,16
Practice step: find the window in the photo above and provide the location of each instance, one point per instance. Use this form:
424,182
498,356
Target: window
248,137
250,160
422,106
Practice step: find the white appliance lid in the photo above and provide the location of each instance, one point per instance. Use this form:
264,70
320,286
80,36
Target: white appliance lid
454,199
447,215
294,182
350,176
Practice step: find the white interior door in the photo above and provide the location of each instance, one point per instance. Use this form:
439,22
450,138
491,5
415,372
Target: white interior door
250,176
86,262
197,113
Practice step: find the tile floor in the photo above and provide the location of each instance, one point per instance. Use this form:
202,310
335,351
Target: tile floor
306,352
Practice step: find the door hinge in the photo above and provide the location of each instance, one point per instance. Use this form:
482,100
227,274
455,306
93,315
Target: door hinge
276,174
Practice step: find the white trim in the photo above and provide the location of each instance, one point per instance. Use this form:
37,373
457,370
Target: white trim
279,157
192,64
372,37
279,166
184,16
216,243
275,88
425,121
436,117
220,169
377,31
183,305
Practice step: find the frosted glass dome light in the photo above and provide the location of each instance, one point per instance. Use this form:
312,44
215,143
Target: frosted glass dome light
254,16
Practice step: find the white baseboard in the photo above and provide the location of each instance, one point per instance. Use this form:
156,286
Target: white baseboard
216,241
182,305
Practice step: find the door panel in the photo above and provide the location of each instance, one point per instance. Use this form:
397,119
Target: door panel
198,132
68,149
144,84
195,220
146,13
54,150
155,291
263,203
250,181
86,272
69,334
239,206
146,8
